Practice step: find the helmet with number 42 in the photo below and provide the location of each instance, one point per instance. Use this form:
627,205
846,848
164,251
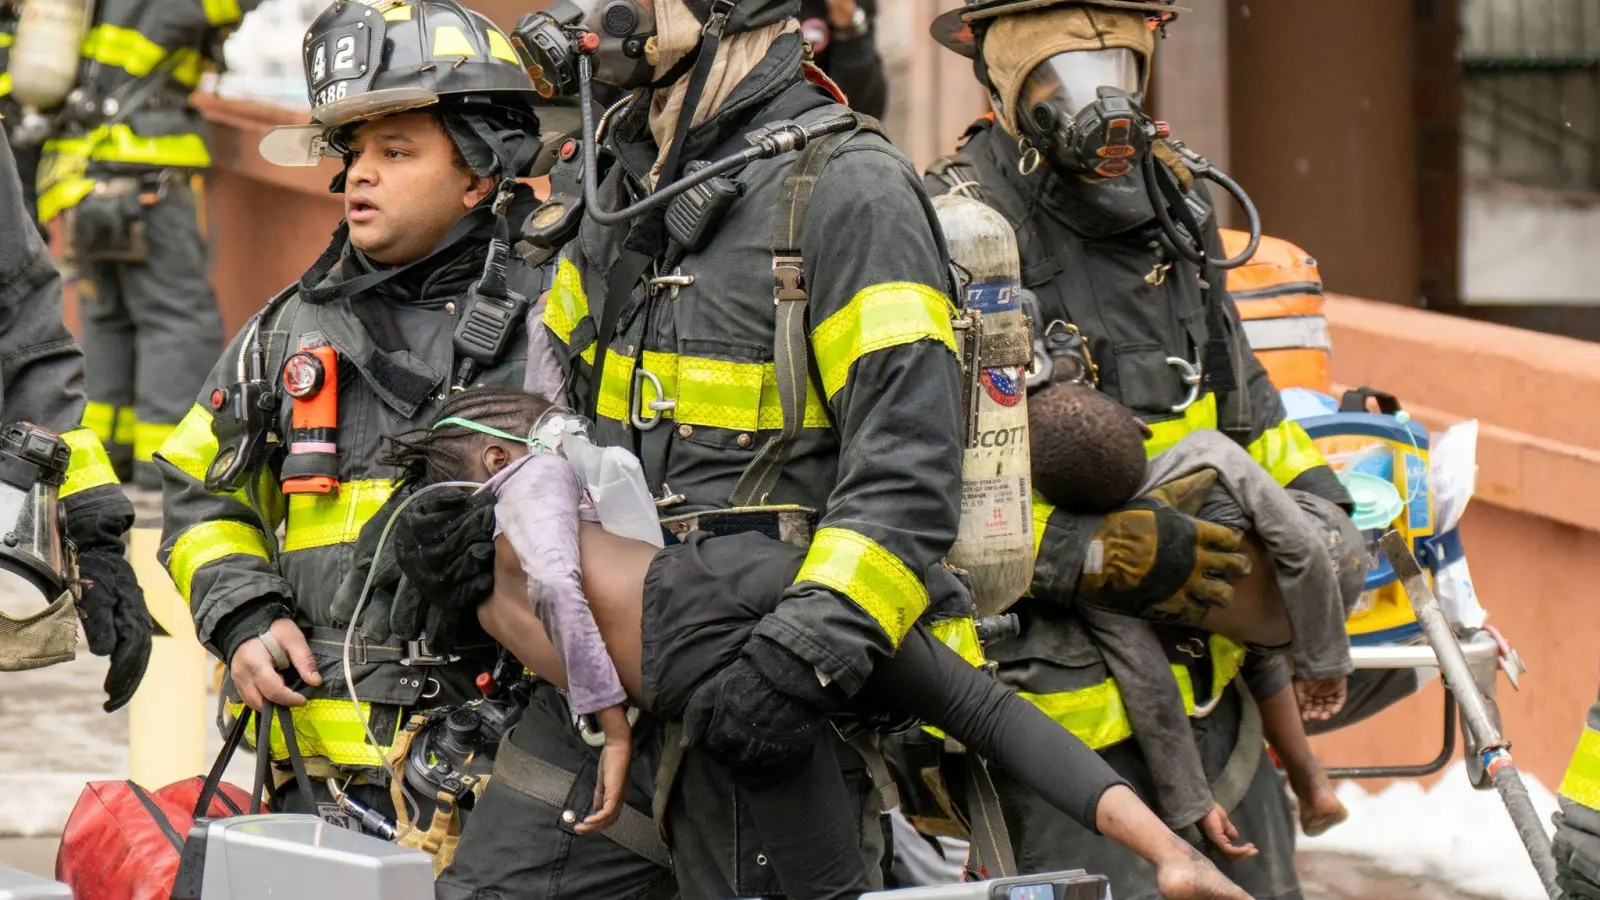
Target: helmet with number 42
370,58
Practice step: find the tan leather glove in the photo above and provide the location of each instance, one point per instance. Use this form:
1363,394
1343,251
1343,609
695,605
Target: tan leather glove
1153,560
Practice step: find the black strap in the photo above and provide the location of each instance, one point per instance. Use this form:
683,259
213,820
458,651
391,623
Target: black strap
230,746
705,58
625,274
154,809
791,343
297,762
991,842
1356,401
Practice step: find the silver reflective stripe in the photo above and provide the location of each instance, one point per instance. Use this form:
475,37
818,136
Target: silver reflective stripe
1292,333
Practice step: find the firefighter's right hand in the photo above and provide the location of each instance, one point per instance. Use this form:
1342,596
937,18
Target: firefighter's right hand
1154,561
256,674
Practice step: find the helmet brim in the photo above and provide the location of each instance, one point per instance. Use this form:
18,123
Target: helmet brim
953,28
307,145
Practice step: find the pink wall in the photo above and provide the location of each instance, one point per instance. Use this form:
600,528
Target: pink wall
1532,534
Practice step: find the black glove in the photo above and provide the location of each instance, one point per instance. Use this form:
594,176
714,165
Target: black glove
766,709
444,544
116,621
1577,855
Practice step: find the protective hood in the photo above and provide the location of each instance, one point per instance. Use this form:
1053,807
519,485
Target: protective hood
1015,45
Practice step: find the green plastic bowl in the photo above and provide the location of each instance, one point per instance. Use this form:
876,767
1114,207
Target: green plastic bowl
1377,501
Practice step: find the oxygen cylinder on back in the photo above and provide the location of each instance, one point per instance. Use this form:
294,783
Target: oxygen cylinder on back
45,55
995,539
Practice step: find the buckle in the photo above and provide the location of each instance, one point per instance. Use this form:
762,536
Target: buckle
659,406
1190,373
418,653
788,279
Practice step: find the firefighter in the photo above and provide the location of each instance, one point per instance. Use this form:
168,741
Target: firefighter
1138,308
787,368
123,169
41,368
434,120
26,155
1577,839
842,40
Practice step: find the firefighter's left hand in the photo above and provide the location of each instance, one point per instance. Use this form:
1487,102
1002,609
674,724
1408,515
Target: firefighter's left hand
115,619
766,709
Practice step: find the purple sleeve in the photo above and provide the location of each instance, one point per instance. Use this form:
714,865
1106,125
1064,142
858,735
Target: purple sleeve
537,509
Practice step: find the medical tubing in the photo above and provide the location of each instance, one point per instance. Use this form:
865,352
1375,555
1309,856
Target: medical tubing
366,593
780,141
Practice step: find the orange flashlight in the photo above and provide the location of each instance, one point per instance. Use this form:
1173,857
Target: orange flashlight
311,379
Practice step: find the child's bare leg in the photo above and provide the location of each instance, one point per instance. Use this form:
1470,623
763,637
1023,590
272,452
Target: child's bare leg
1320,807
1320,701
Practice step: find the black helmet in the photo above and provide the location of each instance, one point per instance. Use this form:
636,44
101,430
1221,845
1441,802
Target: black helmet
370,58
955,28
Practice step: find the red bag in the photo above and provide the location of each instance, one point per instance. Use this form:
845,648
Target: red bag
123,842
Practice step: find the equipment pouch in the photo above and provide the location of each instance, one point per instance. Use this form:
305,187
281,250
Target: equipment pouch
108,225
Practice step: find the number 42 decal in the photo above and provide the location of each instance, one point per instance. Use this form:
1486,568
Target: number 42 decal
344,57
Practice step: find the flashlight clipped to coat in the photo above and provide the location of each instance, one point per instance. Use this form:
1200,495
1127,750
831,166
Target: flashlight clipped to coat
311,379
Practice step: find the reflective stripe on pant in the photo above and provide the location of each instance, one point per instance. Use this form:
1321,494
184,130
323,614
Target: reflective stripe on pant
151,331
515,847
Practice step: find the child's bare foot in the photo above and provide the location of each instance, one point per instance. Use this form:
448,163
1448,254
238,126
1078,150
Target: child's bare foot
1320,700
1320,806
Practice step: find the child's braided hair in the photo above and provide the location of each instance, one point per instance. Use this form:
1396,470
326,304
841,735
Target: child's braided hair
431,455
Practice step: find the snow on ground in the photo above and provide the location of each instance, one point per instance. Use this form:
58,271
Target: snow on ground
1451,832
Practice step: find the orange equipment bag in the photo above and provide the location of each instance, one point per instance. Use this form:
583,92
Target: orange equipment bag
1279,295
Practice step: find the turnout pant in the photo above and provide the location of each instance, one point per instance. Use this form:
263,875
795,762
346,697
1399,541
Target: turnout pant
516,846
151,332
1046,840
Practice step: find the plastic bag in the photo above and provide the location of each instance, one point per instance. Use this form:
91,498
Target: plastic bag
1454,476
616,484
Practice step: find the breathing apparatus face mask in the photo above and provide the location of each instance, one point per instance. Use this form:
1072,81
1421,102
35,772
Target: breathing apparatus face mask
1080,112
612,32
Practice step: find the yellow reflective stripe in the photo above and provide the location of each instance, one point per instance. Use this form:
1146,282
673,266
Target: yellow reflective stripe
881,316
222,12
190,449
148,438
1200,415
500,48
7,39
89,466
205,543
323,520
961,635
328,728
566,306
5,83
98,418
63,195
398,14
861,569
132,52
1581,783
1042,509
191,446
119,143
718,393
1286,451
1097,715
448,40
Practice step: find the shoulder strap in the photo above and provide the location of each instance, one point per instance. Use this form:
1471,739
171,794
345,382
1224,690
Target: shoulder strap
790,342
959,176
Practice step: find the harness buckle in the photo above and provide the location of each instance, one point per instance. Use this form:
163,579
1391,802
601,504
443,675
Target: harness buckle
1190,373
418,653
788,280
676,281
659,406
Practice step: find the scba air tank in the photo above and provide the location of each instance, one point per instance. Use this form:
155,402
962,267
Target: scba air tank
995,539
47,50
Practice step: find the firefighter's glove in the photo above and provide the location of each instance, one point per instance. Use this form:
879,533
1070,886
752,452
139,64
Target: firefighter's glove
1154,561
115,619
444,545
1577,854
766,709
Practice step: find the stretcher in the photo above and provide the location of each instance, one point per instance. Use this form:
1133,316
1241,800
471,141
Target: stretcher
1467,662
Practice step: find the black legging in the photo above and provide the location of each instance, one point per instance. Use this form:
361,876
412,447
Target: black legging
801,813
